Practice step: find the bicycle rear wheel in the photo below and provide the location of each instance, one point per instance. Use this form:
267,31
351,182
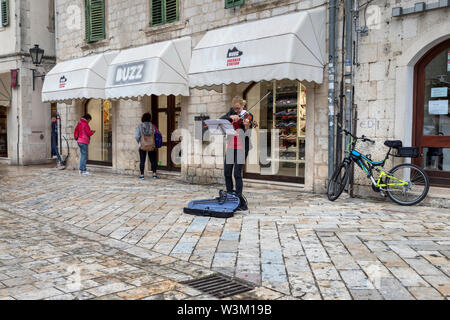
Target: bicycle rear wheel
415,191
338,181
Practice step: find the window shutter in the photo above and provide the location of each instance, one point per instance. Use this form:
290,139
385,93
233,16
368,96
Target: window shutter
95,20
5,12
171,10
233,3
157,14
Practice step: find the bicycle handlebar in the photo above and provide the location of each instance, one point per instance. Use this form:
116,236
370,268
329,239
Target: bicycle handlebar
363,138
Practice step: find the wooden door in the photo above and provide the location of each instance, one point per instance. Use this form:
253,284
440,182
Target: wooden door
166,115
431,130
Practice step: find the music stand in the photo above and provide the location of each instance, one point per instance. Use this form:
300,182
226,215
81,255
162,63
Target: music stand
220,127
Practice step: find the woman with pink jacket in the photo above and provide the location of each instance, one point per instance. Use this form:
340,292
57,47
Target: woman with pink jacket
83,135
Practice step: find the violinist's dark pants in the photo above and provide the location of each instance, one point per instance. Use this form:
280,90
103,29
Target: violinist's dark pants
234,159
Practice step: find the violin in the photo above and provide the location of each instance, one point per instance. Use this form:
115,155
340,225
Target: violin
247,116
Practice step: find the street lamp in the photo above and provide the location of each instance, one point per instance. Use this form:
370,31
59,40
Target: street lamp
36,54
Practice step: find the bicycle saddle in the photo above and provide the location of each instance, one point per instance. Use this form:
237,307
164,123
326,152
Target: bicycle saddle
393,143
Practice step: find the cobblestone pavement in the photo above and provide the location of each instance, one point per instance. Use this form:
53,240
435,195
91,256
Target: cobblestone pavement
105,236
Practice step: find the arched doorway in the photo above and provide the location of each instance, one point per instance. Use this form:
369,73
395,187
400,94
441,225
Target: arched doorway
431,123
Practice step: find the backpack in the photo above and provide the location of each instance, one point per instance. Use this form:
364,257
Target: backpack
158,140
76,133
148,141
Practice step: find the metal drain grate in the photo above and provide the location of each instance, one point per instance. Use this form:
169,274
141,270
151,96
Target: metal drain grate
219,286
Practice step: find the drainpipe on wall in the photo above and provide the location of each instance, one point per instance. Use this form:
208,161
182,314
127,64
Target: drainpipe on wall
348,70
331,83
340,115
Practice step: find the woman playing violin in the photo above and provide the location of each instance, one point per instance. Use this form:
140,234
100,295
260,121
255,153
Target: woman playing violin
237,146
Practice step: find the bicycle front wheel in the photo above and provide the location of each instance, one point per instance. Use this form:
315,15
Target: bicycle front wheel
407,184
338,181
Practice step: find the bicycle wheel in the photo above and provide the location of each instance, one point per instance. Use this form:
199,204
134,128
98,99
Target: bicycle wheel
338,181
412,193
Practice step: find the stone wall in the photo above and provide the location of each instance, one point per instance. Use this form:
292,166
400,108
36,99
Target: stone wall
376,85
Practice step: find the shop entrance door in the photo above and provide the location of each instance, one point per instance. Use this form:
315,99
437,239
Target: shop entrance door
431,113
166,112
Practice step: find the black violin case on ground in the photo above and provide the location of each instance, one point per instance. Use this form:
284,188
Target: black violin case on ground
223,206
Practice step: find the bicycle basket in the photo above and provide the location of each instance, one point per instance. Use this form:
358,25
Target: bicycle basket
408,152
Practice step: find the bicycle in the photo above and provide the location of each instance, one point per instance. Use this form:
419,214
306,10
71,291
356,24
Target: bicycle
405,184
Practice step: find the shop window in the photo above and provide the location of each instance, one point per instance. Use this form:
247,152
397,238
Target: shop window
100,148
233,3
3,133
95,20
284,110
4,7
163,11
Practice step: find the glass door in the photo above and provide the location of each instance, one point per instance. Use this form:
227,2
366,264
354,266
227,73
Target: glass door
432,115
100,148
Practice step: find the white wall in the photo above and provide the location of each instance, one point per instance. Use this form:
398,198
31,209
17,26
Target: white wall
40,26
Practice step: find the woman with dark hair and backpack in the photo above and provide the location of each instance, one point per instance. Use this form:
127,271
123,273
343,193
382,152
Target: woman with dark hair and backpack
83,135
145,137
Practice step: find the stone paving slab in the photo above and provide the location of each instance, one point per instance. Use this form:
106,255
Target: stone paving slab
132,241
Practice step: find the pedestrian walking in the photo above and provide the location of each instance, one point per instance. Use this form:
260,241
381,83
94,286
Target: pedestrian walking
145,137
83,135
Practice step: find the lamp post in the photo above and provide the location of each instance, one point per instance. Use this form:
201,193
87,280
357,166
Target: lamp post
36,54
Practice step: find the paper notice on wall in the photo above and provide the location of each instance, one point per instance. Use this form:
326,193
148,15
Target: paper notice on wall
439,92
438,107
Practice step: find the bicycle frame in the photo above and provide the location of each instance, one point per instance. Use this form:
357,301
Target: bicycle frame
367,165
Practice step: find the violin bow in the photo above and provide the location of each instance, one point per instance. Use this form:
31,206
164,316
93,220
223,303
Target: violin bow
259,101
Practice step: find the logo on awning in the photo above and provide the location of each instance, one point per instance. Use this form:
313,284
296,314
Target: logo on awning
129,73
233,57
62,82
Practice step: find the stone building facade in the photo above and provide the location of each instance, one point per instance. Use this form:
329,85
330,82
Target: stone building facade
386,82
383,80
25,121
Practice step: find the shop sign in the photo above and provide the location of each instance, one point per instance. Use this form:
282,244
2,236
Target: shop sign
233,57
62,82
129,73
439,92
438,107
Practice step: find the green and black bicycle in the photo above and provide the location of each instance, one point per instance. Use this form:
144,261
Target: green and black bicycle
405,184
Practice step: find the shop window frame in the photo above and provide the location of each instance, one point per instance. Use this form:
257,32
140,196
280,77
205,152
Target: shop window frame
279,178
97,162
